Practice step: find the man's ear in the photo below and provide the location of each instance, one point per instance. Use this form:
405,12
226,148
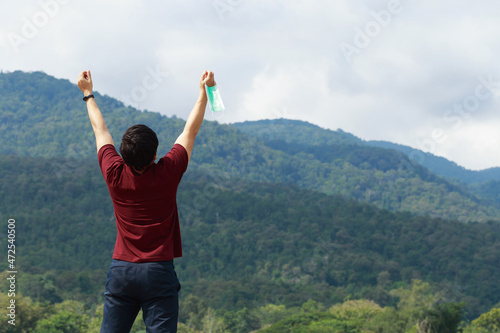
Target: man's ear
154,159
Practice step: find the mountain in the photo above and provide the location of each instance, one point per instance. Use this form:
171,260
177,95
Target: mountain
441,166
390,165
306,134
297,136
297,132
44,117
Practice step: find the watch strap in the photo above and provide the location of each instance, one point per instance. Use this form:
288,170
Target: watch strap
87,97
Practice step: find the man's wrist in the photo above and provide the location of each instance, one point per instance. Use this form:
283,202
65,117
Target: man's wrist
203,94
87,97
87,92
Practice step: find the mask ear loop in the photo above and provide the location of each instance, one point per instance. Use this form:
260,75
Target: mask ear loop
217,115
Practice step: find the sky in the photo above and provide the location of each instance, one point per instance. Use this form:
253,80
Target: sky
420,73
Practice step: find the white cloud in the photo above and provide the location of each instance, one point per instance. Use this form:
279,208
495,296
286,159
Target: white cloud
282,58
476,145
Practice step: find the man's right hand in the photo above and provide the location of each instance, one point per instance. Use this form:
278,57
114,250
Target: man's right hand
85,83
207,79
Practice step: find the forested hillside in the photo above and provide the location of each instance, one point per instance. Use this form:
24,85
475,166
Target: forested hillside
257,241
305,134
441,166
43,116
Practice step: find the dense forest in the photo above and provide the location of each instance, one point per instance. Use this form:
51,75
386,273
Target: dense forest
303,133
279,235
443,167
246,244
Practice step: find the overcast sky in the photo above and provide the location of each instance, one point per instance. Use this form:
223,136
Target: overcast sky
420,73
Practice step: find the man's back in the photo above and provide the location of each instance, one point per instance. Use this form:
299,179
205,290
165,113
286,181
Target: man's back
145,205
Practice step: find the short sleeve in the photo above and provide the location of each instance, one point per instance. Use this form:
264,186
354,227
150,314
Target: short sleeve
176,160
110,163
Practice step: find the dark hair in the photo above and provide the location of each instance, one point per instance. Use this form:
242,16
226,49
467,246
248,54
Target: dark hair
138,147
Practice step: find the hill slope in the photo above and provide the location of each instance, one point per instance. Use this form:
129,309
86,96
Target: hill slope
441,166
305,134
246,242
43,116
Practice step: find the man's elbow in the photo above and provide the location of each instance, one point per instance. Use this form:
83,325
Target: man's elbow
100,129
191,133
102,133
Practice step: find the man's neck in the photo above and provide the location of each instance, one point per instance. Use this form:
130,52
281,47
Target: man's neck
141,171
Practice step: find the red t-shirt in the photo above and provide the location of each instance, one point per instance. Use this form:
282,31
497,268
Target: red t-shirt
145,205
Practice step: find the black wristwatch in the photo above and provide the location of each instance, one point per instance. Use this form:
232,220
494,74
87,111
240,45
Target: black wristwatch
87,97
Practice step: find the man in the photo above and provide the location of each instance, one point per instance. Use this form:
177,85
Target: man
142,273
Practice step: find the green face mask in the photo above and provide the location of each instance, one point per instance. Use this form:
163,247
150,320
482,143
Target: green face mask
214,99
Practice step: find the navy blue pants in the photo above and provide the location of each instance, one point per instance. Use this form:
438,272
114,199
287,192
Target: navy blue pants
152,286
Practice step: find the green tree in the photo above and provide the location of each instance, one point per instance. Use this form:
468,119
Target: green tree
312,306
192,311
213,323
416,301
242,321
271,313
441,318
68,317
27,312
96,320
424,311
487,322
389,320
356,309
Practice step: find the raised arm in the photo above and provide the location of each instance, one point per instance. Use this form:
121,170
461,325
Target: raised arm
193,123
102,135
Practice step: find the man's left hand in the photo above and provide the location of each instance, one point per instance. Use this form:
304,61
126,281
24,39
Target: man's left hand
85,82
